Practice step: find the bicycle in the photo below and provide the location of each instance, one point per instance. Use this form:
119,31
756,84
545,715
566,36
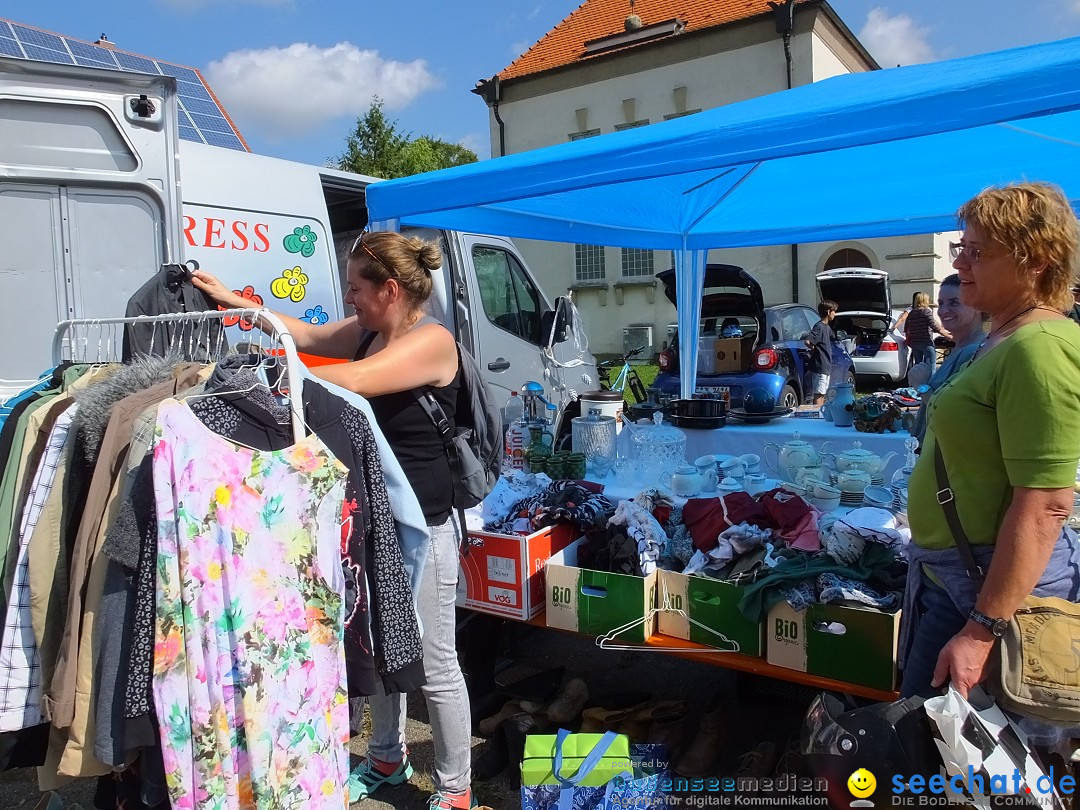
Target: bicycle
627,376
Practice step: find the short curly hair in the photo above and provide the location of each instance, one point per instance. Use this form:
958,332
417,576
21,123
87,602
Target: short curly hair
1036,224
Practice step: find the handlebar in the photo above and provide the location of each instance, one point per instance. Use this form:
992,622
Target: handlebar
618,361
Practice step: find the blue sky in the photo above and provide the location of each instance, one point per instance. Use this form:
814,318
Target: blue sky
295,74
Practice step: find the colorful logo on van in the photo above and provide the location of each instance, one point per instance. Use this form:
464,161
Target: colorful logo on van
316,315
301,241
249,293
291,285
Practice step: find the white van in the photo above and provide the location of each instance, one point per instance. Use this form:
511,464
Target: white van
97,191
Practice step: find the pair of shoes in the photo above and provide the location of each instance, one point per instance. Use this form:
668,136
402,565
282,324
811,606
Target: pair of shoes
700,758
504,747
366,777
599,719
487,726
444,800
567,705
758,762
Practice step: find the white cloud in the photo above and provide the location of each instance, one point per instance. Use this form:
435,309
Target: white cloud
896,40
477,143
293,91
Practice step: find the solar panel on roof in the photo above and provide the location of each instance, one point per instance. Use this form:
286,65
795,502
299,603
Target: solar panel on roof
205,121
91,54
10,47
46,54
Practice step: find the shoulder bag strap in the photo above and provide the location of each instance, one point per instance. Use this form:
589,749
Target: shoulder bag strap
947,500
442,425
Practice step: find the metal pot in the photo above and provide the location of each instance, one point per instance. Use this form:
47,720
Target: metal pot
697,407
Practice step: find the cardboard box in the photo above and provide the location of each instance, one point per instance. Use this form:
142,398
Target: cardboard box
504,573
597,602
719,355
864,653
710,613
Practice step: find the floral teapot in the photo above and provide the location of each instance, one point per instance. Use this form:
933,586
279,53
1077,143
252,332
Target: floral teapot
858,459
791,456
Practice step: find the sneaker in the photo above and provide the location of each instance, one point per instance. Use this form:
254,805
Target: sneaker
443,800
366,778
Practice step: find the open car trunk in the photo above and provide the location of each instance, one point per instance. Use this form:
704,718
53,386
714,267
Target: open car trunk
863,309
730,297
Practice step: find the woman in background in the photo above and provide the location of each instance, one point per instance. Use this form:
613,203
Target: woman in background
965,324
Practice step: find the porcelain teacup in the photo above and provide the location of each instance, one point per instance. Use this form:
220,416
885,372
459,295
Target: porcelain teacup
732,468
751,462
706,467
878,496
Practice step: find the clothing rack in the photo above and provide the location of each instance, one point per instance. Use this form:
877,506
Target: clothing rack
68,333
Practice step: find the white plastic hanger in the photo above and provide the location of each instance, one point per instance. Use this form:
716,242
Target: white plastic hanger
604,642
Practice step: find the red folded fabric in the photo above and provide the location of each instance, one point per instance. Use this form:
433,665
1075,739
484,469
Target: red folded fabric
706,518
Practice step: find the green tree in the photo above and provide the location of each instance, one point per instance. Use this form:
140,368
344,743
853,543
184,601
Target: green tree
377,149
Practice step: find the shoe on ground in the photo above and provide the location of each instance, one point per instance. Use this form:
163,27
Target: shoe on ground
487,726
444,800
517,728
702,755
599,719
568,704
493,756
758,762
366,778
792,760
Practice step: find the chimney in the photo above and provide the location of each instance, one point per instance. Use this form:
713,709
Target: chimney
103,42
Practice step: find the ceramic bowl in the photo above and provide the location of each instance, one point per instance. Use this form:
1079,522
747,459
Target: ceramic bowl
877,496
826,504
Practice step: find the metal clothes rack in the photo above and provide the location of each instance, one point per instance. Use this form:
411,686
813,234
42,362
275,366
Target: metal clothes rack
71,333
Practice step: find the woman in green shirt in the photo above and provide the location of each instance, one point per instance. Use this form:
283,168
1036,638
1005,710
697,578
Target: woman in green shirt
1008,427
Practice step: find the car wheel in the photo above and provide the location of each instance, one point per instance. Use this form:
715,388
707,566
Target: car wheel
789,397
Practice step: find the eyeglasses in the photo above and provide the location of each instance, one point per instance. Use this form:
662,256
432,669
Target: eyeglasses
359,243
958,249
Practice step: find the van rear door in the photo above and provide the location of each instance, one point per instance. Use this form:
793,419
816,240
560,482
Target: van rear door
89,198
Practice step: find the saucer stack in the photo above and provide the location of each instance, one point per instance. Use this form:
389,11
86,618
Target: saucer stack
851,498
877,480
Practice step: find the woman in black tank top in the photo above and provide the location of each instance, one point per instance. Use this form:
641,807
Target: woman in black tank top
403,353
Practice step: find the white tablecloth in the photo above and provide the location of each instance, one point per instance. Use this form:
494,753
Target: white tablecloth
738,438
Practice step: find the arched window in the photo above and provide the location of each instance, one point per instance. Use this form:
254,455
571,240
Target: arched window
847,257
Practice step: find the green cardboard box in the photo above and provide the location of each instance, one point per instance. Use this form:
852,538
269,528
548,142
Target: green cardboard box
539,759
710,613
598,602
852,644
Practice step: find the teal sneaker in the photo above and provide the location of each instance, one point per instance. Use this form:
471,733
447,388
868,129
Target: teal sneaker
451,801
365,778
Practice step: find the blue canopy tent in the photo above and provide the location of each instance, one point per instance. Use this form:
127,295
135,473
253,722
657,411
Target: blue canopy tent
884,153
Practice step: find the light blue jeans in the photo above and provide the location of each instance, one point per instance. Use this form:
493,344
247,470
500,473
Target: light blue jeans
445,692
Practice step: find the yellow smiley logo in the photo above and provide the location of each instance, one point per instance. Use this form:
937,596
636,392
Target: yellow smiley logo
861,783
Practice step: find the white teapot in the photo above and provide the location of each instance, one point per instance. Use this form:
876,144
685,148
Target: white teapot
685,481
791,456
858,459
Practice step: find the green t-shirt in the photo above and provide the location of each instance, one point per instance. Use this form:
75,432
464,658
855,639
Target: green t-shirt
1009,419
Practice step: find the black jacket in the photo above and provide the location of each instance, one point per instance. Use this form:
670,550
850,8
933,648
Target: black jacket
169,291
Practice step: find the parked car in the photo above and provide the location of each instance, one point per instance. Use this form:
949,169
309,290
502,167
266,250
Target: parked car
865,313
775,355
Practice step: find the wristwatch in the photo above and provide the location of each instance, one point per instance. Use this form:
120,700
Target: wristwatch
995,626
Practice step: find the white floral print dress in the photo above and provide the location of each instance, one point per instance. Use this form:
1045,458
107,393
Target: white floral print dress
249,666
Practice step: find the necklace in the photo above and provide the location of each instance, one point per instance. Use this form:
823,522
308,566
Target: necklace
998,329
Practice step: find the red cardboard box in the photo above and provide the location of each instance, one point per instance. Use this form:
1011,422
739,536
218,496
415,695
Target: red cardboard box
504,573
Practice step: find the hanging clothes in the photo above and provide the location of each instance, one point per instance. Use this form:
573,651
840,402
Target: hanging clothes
249,670
170,291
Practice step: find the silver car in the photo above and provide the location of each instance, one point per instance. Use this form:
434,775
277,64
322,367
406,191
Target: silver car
864,314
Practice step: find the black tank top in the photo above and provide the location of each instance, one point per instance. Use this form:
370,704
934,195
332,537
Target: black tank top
415,441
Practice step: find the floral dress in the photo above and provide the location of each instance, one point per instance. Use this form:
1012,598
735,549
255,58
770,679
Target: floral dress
249,667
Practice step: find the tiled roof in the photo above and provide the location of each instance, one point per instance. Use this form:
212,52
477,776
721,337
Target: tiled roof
594,19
